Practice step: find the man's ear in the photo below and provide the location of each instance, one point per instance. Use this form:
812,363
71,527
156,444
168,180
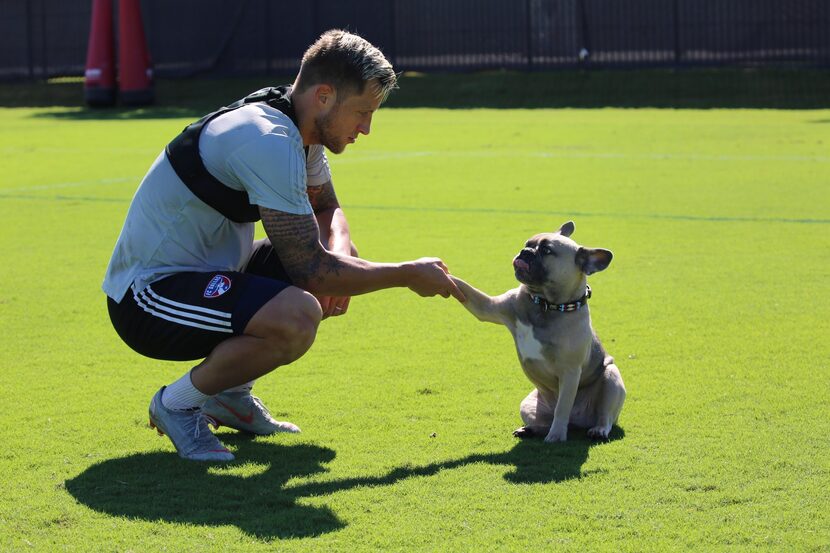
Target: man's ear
567,229
325,95
593,260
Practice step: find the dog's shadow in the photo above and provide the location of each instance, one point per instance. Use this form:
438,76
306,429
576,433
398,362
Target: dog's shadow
253,493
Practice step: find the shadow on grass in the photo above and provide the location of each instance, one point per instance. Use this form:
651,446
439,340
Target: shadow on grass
252,493
128,114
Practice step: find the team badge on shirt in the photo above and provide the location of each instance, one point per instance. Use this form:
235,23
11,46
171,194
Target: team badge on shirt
217,286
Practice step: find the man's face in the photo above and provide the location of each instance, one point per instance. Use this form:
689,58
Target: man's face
347,119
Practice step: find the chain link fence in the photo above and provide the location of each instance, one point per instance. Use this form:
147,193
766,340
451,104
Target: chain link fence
48,38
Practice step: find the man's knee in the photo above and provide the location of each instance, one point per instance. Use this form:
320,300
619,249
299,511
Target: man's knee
301,319
289,320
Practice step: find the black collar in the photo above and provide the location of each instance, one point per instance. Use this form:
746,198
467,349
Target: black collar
562,307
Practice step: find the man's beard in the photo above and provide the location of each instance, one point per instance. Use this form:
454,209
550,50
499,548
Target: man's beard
324,127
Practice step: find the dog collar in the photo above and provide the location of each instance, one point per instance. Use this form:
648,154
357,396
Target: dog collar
562,307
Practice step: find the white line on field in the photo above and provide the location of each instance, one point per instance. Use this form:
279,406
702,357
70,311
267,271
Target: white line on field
358,158
15,150
439,209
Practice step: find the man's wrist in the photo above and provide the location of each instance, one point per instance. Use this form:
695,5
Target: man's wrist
405,272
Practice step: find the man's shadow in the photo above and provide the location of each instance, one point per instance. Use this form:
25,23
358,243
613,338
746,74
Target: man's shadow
252,492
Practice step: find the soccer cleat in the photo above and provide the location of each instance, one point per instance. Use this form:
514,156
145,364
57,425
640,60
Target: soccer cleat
189,432
242,411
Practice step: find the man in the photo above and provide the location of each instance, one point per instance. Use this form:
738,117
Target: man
187,281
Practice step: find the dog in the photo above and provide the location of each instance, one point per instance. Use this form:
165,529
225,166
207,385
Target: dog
577,382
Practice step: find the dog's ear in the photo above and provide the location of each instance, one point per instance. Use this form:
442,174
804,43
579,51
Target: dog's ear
593,260
567,229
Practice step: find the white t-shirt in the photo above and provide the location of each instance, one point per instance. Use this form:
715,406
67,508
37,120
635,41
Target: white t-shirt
168,230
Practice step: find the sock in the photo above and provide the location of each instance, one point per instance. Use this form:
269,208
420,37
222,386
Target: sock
247,387
182,395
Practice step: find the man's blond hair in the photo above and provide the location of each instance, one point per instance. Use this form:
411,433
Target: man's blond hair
347,62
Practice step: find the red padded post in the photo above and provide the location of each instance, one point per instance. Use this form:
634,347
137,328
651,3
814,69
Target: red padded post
99,77
135,72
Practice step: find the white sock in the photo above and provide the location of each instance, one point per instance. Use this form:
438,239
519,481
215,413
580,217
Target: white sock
247,387
182,395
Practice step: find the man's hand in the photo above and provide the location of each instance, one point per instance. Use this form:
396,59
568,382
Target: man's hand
430,277
332,307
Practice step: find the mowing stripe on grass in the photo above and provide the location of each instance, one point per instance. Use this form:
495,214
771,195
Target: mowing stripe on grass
52,186
495,211
62,198
357,158
501,211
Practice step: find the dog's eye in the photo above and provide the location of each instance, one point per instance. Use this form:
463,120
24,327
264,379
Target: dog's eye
546,250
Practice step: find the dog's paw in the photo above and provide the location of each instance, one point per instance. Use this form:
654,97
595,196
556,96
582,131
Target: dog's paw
599,433
556,436
524,432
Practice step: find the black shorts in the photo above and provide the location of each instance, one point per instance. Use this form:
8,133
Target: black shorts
184,316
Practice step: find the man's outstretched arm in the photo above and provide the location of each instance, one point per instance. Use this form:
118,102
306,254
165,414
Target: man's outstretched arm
296,240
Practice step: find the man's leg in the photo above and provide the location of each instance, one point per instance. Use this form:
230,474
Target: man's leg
279,333
287,333
236,407
249,328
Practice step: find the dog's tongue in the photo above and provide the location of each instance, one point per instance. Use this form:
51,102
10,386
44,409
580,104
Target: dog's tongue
520,263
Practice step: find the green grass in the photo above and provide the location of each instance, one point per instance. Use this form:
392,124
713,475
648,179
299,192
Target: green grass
715,308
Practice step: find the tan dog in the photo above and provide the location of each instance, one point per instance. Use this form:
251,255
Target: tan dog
576,381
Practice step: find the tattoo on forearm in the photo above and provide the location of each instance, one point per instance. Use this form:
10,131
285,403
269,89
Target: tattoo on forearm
296,240
333,265
322,197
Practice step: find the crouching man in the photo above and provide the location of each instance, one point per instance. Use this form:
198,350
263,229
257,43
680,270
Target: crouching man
187,280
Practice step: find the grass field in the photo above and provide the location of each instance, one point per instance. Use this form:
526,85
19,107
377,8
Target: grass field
715,307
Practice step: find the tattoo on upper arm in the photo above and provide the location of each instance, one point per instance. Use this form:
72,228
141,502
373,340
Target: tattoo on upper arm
296,240
322,197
